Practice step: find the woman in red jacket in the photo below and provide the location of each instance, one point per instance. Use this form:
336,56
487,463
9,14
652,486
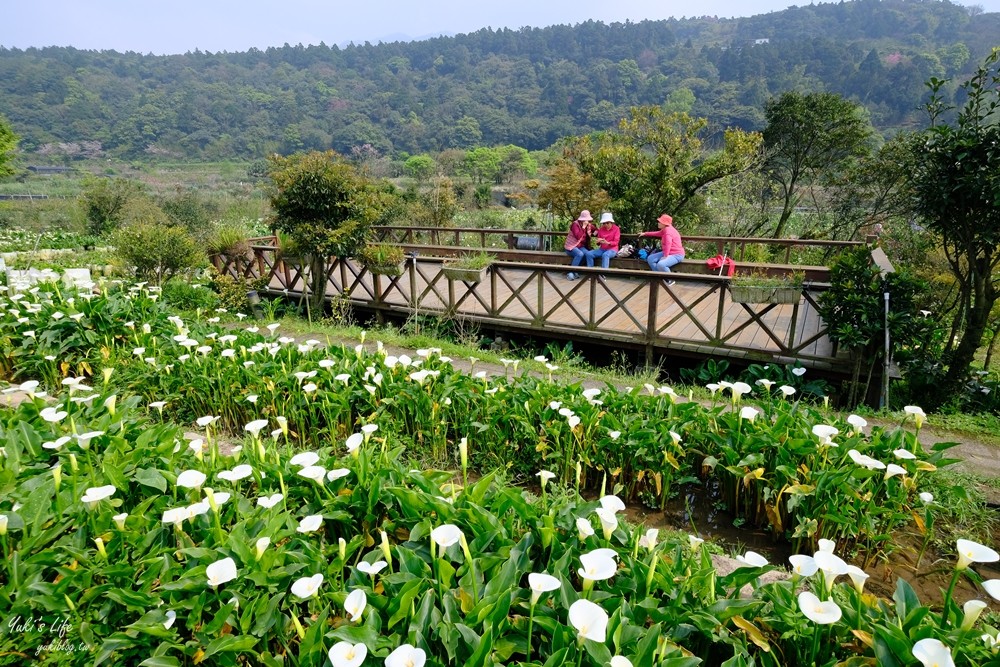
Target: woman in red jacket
578,240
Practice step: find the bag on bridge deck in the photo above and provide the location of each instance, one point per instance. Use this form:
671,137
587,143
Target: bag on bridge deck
722,264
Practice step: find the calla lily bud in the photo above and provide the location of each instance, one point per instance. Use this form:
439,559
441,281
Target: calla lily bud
342,548
57,475
298,627
385,547
465,547
210,496
100,547
73,464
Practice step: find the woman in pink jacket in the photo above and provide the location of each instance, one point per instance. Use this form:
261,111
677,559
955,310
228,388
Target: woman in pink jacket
671,251
607,239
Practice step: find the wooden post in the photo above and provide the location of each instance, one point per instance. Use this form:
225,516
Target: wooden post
721,315
539,321
794,324
493,290
654,288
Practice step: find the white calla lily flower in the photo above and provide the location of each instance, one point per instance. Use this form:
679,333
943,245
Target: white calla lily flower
817,611
307,587
221,571
355,603
346,654
589,620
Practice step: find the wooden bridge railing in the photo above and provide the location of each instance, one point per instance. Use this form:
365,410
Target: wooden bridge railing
739,248
618,307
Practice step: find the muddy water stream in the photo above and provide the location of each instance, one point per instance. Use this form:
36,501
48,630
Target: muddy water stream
698,512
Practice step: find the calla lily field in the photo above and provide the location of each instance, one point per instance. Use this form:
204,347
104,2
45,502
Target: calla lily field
203,490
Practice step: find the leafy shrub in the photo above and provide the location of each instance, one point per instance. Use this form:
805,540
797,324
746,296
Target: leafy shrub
104,201
710,370
257,169
190,210
157,252
483,195
185,296
232,292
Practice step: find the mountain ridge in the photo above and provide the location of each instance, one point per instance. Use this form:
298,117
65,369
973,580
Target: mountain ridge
529,87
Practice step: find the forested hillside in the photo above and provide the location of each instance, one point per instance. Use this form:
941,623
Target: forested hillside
527,87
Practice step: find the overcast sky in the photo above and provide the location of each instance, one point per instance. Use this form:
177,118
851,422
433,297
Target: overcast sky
178,26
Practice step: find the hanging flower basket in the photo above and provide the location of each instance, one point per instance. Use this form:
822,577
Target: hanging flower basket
464,274
765,294
385,269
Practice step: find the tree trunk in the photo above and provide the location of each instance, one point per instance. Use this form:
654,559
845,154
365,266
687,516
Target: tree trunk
957,321
852,398
989,349
786,213
976,320
317,286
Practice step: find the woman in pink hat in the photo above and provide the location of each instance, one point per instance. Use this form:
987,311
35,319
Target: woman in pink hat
671,251
578,240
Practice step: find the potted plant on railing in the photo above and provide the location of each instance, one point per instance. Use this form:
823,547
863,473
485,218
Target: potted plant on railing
382,259
231,240
289,251
470,267
759,287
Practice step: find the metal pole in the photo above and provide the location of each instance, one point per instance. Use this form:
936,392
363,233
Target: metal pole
884,399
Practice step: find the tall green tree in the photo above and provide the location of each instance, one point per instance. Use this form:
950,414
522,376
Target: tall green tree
809,138
8,144
105,200
956,181
655,163
419,167
482,165
854,310
326,205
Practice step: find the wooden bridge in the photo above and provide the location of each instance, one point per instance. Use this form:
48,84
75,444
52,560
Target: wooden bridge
527,292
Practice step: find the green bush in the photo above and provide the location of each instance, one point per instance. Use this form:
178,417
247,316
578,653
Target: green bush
232,292
185,296
104,202
156,252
